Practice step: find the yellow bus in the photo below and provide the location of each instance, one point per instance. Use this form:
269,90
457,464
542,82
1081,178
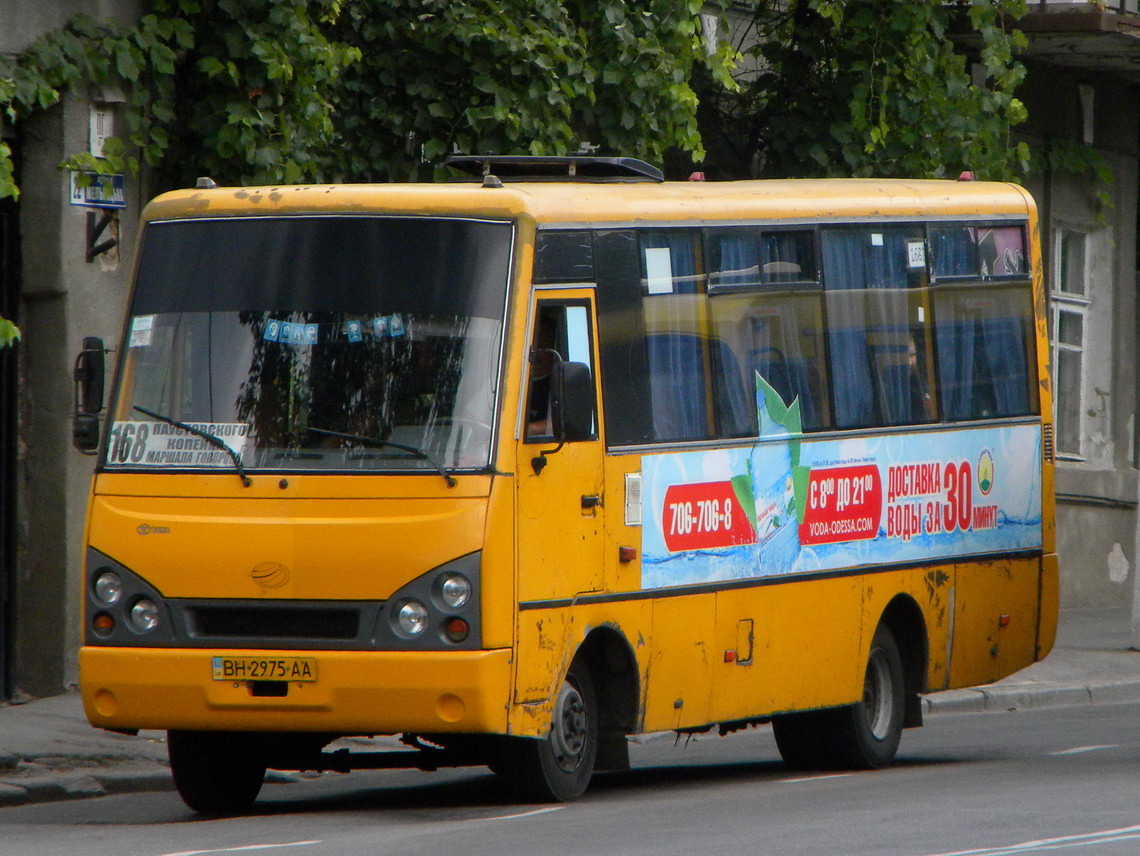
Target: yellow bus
521,464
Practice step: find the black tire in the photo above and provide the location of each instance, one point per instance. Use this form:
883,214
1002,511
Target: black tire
868,733
558,767
216,772
861,736
801,739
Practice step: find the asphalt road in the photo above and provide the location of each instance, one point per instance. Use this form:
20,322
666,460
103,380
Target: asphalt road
1042,781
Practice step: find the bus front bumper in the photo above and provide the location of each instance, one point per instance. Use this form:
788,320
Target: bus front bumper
354,692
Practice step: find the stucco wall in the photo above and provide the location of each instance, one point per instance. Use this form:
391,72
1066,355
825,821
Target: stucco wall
1097,488
63,298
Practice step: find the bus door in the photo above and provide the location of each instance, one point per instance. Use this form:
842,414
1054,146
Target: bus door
560,497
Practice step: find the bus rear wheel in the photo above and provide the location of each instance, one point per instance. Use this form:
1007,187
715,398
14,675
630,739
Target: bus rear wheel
558,767
216,772
861,736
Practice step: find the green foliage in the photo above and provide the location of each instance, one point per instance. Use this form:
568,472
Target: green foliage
515,76
9,332
248,101
234,88
269,91
877,87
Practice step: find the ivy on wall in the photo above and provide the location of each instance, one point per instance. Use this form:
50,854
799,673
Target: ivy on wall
237,87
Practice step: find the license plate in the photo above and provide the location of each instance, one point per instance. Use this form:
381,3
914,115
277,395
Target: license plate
265,669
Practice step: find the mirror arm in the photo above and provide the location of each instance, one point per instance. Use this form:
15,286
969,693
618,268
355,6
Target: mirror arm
539,462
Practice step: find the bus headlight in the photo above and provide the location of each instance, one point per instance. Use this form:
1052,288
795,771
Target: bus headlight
455,590
144,615
413,618
108,588
438,610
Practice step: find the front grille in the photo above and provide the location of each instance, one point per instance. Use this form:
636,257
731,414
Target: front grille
272,622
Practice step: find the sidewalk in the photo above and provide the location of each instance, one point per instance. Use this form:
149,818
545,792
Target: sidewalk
49,752
1091,663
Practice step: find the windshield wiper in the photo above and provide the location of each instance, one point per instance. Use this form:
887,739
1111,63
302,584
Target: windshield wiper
198,432
376,441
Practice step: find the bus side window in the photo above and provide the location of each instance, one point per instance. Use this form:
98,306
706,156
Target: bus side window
985,345
678,352
984,334
765,307
877,299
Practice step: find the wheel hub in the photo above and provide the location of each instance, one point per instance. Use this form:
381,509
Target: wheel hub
877,695
569,729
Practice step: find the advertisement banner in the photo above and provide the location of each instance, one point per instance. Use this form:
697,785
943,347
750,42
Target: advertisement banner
791,505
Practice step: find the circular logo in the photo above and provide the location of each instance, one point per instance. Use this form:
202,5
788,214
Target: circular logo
986,472
270,575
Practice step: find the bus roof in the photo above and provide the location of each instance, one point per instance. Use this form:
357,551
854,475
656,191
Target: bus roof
570,203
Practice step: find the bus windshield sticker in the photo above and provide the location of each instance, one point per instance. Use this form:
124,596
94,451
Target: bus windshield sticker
157,444
294,334
142,330
388,326
658,270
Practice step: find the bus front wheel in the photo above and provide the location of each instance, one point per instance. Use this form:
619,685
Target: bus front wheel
558,768
864,735
216,772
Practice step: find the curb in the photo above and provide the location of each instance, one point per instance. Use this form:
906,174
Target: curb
77,784
1013,697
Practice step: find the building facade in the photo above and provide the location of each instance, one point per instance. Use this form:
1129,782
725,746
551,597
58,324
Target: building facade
1083,88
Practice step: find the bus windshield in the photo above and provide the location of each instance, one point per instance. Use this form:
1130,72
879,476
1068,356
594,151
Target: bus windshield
321,343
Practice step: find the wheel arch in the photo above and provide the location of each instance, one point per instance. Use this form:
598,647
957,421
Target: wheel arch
613,667
904,619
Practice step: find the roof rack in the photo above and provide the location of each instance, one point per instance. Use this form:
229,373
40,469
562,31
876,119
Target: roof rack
555,168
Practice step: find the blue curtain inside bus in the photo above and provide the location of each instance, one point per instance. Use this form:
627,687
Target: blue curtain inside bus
866,278
983,356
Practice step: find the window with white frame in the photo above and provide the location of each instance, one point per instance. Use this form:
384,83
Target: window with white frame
1067,321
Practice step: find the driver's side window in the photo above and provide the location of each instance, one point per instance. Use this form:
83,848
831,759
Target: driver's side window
561,334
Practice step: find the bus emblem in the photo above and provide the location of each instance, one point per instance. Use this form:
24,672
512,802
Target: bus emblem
270,575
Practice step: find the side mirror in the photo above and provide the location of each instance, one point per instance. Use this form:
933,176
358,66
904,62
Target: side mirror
90,367
572,402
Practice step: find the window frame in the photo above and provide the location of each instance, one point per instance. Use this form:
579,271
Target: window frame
1077,305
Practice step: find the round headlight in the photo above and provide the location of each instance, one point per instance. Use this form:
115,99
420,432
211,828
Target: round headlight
455,590
108,588
413,618
144,615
